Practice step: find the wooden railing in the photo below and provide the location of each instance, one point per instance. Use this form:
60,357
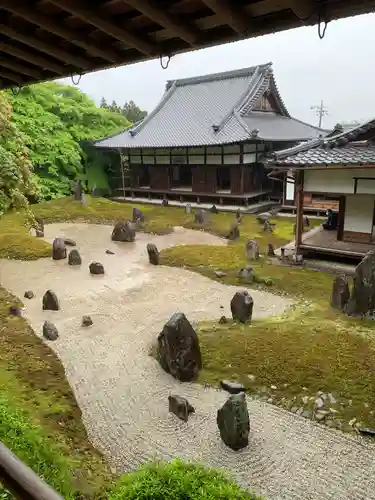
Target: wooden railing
20,480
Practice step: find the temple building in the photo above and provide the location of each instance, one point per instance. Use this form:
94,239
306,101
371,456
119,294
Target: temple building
206,139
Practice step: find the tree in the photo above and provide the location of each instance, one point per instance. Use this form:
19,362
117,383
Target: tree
103,103
54,120
15,168
132,112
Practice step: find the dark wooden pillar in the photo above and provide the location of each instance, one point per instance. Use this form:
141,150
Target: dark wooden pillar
341,218
299,203
236,179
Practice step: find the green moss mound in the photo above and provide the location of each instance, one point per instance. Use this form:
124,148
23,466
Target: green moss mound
177,481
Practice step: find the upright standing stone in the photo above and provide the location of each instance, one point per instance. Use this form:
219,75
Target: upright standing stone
340,292
50,301
153,254
74,258
164,202
362,299
178,349
39,227
270,250
201,217
58,249
233,422
123,231
95,192
238,215
138,215
267,226
306,221
241,306
78,192
84,201
188,209
252,250
214,209
234,232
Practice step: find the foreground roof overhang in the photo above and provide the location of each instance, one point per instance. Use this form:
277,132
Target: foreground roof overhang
48,39
353,147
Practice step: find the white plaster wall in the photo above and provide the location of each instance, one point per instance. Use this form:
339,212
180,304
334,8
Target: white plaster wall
290,190
358,213
338,181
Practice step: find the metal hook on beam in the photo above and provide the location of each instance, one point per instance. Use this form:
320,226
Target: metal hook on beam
166,64
76,82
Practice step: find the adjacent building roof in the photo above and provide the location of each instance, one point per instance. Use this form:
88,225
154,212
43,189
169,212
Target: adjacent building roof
215,109
352,147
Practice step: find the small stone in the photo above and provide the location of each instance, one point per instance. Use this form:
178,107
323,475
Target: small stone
330,424
138,215
307,414
273,387
39,227
15,311
29,294
352,422
232,387
304,388
96,268
70,243
350,402
337,423
164,202
294,409
188,209
320,415
180,407
270,250
252,250
74,258
220,274
270,400
87,321
251,378
201,217
50,331
319,403
305,400
223,320
241,307
366,431
214,209
109,252
50,301
331,399
153,254
333,410
246,274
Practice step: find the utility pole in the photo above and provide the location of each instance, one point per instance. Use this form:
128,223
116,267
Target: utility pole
320,111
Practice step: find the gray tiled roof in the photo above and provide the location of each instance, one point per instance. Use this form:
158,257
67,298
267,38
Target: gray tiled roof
343,148
213,109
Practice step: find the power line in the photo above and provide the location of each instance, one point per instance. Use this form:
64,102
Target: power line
320,111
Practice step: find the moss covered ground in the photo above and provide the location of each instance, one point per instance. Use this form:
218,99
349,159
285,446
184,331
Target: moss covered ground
311,348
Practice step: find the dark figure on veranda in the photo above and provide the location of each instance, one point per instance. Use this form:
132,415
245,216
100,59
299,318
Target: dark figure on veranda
332,219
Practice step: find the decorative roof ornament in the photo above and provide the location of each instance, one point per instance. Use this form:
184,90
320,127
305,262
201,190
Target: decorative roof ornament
254,133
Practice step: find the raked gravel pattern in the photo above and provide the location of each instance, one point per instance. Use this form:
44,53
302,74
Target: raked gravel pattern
123,392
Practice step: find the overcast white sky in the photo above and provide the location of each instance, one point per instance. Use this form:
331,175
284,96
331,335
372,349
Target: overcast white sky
339,70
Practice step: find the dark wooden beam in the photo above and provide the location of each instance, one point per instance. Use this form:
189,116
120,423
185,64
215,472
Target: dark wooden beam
37,60
305,10
48,48
299,219
21,9
19,68
169,21
12,77
106,25
232,15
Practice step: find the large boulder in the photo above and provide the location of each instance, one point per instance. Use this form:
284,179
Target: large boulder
96,268
138,215
233,422
340,292
123,231
180,407
241,307
362,299
252,250
78,191
234,232
178,349
74,258
153,254
50,331
50,301
58,249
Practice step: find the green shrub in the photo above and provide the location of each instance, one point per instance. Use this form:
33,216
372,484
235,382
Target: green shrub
177,481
